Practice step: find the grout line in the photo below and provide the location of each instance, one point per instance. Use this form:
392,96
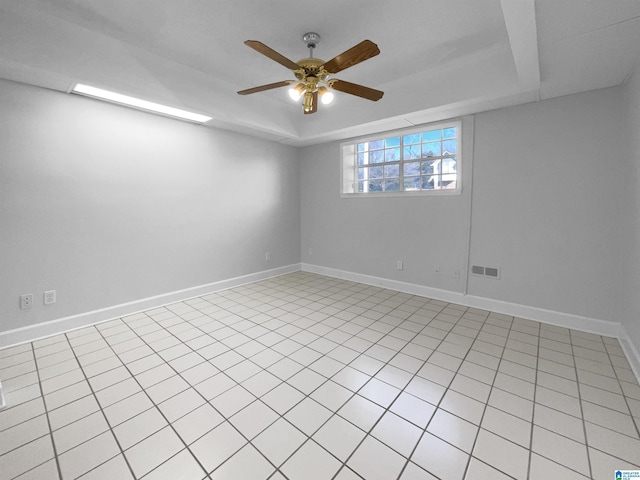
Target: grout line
46,412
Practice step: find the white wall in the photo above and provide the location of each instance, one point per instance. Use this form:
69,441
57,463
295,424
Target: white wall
544,206
108,205
368,235
631,317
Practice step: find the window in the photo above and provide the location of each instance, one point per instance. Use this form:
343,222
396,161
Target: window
417,161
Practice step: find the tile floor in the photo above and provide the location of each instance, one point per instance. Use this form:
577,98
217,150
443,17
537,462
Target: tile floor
306,377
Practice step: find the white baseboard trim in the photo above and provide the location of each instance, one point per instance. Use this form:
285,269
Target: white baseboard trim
566,320
631,351
73,322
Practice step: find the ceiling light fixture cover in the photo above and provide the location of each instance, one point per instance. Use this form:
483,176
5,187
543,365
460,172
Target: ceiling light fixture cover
139,104
313,74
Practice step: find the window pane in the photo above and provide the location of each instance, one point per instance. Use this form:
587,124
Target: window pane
361,186
449,181
430,167
376,157
392,142
411,168
412,183
392,155
432,149
375,172
392,185
362,173
391,171
449,165
449,132
449,147
412,152
432,135
362,147
376,144
411,139
430,182
375,186
362,158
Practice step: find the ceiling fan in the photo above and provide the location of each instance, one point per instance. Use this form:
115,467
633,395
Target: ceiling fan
314,75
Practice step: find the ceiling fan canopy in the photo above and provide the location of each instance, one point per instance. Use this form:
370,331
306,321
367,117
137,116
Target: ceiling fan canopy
314,75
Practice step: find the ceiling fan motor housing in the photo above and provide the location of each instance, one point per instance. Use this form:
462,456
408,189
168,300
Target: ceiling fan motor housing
311,39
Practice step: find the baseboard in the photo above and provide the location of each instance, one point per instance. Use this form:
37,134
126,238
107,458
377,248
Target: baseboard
560,319
631,351
54,327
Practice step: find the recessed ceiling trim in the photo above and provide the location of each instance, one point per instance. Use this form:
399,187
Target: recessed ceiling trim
520,20
137,103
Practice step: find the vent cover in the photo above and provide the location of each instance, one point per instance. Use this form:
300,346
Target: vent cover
477,270
491,272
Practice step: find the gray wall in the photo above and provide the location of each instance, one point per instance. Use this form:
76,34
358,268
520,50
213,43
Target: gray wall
369,235
631,206
109,205
546,204
544,207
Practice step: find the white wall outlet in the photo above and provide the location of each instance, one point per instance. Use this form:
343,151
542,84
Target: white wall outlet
456,274
267,256
49,297
437,271
399,265
26,300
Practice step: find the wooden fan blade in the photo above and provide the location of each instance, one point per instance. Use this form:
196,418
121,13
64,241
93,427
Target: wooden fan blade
314,103
262,88
361,52
358,90
272,54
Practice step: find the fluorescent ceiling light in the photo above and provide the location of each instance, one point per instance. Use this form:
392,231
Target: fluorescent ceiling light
137,103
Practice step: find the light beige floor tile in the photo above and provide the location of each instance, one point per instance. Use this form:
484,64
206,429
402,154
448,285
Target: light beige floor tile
153,451
397,433
560,449
311,462
375,461
454,430
278,441
502,454
508,426
440,458
543,468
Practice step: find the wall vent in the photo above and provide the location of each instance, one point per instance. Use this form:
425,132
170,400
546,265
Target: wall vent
477,270
491,272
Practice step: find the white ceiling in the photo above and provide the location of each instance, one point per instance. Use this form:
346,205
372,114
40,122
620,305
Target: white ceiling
439,58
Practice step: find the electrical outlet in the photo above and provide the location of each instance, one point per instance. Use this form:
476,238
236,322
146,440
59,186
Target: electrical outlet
49,297
267,256
437,271
399,265
26,301
456,274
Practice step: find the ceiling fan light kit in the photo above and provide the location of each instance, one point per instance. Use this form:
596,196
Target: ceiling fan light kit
313,75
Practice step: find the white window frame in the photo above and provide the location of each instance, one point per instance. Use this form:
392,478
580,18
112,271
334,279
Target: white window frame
349,165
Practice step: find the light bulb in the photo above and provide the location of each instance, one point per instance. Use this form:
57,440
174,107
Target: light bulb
296,92
326,97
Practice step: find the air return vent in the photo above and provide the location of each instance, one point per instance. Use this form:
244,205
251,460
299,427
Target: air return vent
491,272
477,270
